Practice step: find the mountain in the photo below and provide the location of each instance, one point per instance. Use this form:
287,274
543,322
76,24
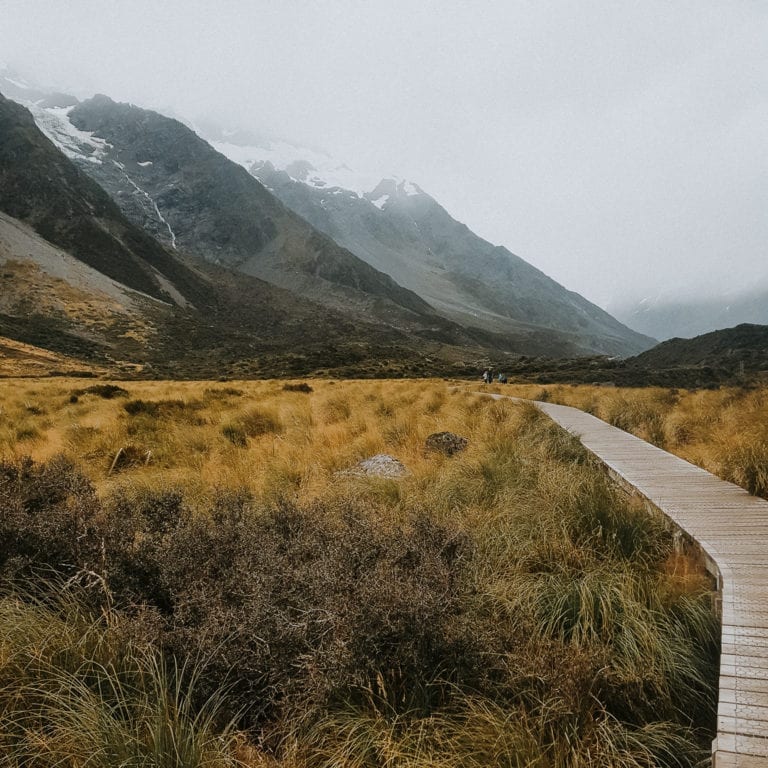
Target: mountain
666,316
728,357
399,229
392,255
742,349
177,187
39,186
80,280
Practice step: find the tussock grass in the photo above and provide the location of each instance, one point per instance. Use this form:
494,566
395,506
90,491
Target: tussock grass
76,690
725,431
503,606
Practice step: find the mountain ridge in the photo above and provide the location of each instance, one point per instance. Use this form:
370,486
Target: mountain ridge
56,296
399,228
158,172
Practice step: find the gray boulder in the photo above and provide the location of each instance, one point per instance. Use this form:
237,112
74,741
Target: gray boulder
380,465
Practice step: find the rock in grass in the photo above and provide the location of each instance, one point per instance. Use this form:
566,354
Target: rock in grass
447,443
380,465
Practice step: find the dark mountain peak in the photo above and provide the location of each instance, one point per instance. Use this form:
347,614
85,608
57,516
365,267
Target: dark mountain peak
41,187
717,356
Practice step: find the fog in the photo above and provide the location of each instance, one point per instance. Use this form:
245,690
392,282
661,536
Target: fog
620,147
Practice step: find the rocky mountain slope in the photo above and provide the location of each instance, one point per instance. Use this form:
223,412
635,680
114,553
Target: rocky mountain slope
399,229
79,279
39,186
172,183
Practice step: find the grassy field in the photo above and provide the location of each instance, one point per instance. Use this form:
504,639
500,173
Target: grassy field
725,430
194,577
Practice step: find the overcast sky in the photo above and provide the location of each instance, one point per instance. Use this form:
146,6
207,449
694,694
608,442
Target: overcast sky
621,146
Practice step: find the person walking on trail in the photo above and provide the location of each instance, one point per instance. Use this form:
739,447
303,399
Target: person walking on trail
486,376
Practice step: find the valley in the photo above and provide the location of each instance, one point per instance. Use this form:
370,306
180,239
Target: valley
256,509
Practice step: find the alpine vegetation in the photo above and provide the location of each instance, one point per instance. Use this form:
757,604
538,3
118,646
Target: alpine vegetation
248,602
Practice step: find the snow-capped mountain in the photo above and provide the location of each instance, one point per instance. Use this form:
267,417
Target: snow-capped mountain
396,227
398,245
313,167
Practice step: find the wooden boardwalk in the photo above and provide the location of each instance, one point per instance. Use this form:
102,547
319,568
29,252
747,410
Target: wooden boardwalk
731,527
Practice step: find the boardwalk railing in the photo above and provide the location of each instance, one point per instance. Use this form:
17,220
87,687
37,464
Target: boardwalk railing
731,529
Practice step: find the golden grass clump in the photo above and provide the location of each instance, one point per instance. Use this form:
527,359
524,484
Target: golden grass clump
75,689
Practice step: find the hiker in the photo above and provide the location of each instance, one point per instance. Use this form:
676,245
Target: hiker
486,376
502,378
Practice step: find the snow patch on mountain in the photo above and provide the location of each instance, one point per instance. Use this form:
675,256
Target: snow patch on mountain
380,202
74,143
314,168
17,83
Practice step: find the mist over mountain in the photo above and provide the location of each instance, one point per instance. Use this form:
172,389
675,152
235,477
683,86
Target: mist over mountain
686,316
396,227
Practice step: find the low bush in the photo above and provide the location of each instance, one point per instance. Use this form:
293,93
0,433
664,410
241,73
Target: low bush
261,421
129,456
105,391
49,520
186,411
235,434
222,392
75,689
301,387
745,462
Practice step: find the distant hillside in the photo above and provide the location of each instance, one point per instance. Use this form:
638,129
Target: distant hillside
743,348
